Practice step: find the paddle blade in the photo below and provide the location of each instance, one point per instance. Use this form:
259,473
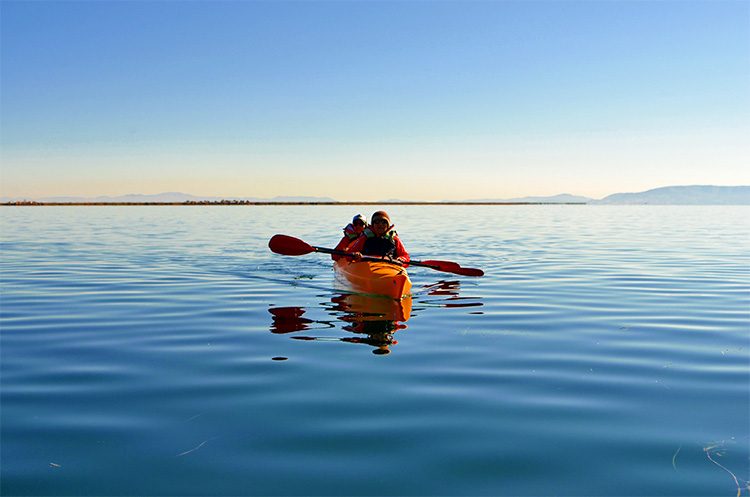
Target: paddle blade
467,271
443,265
287,245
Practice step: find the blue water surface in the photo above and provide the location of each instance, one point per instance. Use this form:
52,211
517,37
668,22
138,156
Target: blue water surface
167,351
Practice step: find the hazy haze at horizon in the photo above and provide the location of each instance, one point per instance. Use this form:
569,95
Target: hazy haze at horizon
370,100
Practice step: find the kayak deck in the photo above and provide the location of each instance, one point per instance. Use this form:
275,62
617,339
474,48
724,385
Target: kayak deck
373,277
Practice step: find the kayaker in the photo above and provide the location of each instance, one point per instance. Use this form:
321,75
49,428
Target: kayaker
351,233
379,239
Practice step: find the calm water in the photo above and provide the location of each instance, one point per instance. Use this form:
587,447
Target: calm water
167,351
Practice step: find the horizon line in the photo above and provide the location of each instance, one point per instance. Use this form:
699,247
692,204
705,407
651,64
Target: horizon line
33,203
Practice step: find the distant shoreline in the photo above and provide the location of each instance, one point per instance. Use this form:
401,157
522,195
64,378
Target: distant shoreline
668,195
245,202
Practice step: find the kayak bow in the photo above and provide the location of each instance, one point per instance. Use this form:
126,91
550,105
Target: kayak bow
373,277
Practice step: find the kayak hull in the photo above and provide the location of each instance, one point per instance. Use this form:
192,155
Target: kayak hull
373,278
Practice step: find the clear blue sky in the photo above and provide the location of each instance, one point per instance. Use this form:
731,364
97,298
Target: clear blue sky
373,100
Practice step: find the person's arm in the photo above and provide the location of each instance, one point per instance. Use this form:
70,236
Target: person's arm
341,246
356,248
401,252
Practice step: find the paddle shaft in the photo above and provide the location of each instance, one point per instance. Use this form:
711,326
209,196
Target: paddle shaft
447,267
287,245
372,259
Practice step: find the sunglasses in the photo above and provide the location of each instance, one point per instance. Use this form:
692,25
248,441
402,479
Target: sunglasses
378,221
358,223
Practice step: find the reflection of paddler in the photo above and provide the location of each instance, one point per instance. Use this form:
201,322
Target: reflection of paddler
375,328
381,342
364,308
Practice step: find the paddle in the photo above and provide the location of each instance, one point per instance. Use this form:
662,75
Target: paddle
287,245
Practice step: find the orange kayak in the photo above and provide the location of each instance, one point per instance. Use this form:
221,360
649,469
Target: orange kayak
373,278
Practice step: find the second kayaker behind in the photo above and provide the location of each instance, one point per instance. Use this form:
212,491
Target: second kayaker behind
351,233
379,239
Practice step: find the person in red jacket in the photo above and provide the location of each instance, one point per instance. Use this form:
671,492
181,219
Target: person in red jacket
351,233
380,240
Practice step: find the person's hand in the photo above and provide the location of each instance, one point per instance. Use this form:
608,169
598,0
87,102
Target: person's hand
357,256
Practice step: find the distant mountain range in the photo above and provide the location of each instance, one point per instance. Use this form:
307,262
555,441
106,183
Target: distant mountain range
670,195
683,195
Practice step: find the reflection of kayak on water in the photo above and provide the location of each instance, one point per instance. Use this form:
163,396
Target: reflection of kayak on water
365,308
373,320
351,308
373,277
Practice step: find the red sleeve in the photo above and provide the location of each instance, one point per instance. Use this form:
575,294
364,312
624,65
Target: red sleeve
341,246
401,251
